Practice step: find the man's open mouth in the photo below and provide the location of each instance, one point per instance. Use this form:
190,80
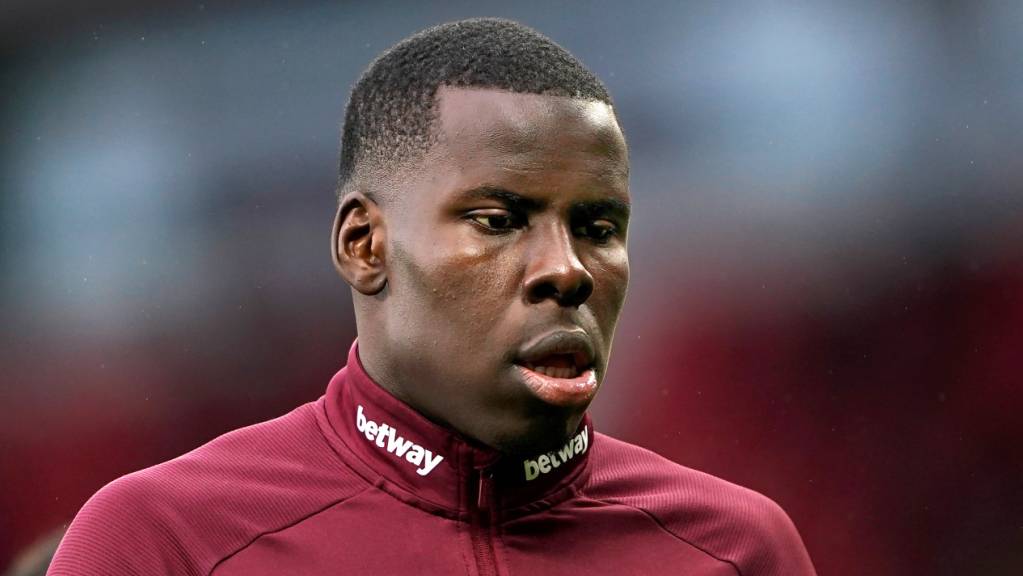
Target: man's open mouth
560,365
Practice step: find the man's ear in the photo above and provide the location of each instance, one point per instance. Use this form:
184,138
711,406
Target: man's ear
357,243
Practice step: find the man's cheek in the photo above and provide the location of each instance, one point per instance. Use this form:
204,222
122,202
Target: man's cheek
611,275
478,270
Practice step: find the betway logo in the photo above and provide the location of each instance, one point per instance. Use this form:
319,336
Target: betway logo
386,437
546,462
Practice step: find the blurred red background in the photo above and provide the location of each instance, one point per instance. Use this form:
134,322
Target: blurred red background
827,249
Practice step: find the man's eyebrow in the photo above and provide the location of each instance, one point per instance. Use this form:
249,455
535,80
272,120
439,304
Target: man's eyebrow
604,206
519,202
512,199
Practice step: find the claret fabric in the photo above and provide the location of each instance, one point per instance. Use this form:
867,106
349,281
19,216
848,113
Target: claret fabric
359,483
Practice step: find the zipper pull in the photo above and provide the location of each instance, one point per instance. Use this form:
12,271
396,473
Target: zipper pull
483,497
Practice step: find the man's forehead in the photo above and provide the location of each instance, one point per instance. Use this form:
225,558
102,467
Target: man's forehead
514,122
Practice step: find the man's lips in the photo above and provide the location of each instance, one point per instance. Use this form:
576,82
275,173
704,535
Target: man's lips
576,391
560,353
558,367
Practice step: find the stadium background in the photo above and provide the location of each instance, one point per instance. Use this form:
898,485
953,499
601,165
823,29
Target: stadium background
827,248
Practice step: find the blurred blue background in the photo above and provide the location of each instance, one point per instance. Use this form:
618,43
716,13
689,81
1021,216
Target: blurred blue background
827,248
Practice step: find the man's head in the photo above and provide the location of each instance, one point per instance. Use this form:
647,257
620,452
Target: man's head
482,225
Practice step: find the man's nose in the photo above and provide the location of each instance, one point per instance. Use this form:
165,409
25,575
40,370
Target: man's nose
555,272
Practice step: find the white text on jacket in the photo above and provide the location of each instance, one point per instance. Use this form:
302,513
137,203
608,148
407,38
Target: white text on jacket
546,462
385,436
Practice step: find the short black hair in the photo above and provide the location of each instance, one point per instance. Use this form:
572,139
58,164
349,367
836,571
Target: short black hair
390,114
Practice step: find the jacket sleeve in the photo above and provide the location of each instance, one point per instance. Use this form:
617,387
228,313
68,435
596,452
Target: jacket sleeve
120,532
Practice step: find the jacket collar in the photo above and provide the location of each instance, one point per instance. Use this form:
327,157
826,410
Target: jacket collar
431,464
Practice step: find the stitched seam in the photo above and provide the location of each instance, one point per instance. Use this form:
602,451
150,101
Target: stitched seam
377,480
330,445
285,527
661,525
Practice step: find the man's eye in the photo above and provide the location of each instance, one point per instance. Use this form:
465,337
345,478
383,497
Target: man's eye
600,231
496,220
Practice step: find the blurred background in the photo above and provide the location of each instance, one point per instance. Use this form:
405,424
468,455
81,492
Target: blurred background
827,248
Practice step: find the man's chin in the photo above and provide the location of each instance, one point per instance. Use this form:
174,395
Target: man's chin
547,428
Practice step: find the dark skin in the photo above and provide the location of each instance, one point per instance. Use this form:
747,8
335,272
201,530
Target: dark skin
510,230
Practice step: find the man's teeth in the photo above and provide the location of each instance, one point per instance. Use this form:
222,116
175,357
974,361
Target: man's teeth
555,372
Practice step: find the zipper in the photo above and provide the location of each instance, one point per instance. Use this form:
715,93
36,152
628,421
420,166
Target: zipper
483,495
481,525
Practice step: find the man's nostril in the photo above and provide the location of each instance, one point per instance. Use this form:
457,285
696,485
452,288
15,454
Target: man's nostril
544,291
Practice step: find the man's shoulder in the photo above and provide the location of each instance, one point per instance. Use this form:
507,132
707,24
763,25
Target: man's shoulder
194,510
632,473
276,460
732,523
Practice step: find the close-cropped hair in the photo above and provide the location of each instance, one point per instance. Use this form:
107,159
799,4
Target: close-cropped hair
390,115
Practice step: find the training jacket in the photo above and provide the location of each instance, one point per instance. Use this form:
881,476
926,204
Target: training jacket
360,483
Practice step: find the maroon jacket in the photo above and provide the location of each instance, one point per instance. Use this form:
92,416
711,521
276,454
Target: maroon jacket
359,483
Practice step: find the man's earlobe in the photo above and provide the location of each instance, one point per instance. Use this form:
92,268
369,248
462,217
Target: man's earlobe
357,244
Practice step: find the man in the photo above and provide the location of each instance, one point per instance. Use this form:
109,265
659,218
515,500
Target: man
482,224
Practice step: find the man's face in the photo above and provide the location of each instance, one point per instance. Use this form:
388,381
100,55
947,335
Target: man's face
507,265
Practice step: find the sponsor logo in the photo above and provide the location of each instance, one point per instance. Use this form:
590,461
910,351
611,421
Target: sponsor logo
386,437
544,463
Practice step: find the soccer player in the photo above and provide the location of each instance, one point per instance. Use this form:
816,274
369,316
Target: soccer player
482,222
